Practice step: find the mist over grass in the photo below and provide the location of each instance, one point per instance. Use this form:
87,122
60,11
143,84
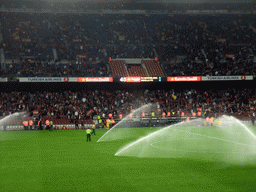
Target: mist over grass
232,143
126,128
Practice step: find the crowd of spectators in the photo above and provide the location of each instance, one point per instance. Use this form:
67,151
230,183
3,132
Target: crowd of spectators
219,46
210,45
36,69
87,103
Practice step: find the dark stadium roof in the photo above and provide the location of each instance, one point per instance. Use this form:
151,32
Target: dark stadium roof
128,1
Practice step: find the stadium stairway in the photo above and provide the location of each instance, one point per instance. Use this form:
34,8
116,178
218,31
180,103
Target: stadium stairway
55,54
137,71
118,68
154,68
145,68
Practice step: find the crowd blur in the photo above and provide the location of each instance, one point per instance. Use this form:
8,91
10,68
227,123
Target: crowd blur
87,104
184,44
37,69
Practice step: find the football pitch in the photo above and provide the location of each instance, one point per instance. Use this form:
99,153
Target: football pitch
62,160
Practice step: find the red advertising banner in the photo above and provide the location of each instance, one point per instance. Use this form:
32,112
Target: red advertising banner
199,109
230,55
133,79
221,40
95,79
35,112
185,78
66,79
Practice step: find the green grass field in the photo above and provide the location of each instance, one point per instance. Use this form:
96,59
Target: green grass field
63,161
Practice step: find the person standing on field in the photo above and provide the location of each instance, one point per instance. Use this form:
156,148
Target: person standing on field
5,127
51,126
253,118
88,131
40,124
76,124
82,124
211,121
93,129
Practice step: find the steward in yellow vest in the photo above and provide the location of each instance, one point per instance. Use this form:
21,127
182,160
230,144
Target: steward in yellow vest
99,118
51,126
88,131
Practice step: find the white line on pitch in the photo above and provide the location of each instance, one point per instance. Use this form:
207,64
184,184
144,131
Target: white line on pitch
216,138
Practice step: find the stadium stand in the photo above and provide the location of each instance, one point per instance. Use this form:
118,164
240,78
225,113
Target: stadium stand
67,106
154,68
212,45
137,71
51,44
118,68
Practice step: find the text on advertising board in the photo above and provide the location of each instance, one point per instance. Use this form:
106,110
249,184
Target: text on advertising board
95,79
131,79
44,79
226,78
48,79
3,79
149,79
185,78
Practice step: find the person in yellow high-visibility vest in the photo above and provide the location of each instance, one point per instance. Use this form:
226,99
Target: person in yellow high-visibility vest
108,123
93,129
88,132
99,118
151,120
51,126
100,123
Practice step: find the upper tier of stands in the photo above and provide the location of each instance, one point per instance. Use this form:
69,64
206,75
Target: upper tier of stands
183,44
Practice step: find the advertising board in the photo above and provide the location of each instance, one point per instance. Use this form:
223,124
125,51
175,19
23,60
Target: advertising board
183,78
